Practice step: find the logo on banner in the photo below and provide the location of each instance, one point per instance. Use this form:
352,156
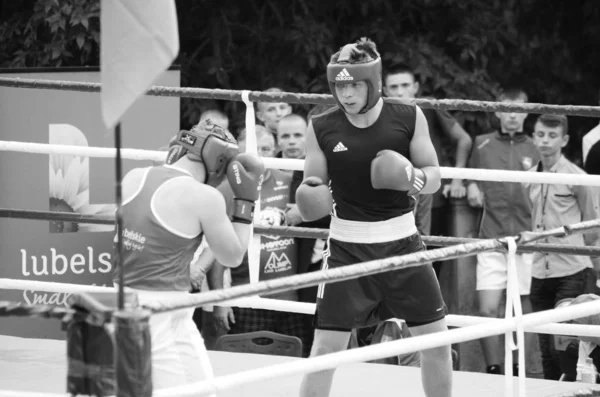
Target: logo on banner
55,263
70,183
278,263
277,244
69,191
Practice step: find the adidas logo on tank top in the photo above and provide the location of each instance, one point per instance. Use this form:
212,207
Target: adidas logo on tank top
339,148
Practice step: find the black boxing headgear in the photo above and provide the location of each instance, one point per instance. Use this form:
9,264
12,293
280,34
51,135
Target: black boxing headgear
208,143
342,71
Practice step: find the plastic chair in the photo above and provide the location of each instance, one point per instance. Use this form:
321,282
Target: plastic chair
277,344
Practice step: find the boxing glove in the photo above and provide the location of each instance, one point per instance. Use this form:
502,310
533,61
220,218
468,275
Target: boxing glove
314,199
245,176
391,170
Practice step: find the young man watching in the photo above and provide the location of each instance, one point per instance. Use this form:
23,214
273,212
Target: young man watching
506,212
558,276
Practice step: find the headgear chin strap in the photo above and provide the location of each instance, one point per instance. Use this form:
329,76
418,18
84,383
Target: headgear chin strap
209,144
345,72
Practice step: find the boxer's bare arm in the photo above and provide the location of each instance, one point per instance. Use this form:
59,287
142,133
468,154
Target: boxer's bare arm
423,155
315,163
227,240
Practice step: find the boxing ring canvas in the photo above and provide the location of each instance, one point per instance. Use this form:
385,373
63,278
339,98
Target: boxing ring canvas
36,365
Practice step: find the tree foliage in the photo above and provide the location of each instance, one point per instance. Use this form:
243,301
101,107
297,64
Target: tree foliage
460,48
46,33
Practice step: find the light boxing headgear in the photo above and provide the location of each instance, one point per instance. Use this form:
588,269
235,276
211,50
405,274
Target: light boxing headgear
343,71
208,143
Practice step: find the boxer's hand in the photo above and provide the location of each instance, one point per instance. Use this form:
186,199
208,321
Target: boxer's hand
245,175
391,170
314,199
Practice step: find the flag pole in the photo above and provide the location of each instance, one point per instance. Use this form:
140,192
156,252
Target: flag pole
118,196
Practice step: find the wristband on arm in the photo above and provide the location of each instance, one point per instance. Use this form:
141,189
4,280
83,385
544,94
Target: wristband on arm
419,182
243,211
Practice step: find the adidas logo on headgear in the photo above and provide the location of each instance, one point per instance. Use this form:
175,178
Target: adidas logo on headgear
343,75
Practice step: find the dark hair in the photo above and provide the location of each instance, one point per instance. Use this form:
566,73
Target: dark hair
365,51
554,120
512,94
399,68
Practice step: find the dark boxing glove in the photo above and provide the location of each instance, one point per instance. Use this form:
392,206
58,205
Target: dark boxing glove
245,176
314,199
391,170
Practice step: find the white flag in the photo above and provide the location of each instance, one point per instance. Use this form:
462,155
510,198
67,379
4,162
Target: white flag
139,41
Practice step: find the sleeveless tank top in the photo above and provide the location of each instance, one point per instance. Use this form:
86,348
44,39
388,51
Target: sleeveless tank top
349,151
154,258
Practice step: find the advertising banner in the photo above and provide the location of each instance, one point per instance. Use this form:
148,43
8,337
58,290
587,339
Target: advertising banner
65,252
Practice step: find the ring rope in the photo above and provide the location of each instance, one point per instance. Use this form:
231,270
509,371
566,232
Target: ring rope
475,174
455,320
21,393
383,350
299,232
378,351
18,309
83,151
65,288
321,99
348,272
526,237
338,274
361,269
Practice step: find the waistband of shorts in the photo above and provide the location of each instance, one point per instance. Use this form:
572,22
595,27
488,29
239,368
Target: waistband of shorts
373,232
145,296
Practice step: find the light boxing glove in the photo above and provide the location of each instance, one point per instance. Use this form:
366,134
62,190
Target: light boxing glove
314,199
245,176
391,170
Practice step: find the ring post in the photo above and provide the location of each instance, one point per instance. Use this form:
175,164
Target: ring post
133,353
